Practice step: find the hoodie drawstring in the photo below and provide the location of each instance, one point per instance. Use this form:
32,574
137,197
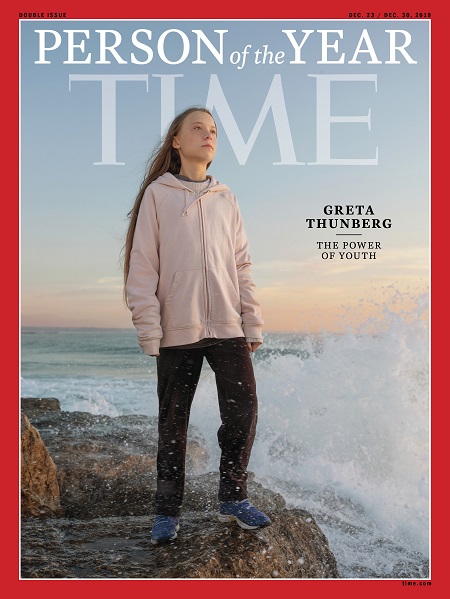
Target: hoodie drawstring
186,195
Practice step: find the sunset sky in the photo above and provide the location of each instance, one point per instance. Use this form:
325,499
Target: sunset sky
73,211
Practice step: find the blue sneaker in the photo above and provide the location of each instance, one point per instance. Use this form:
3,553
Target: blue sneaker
244,513
164,529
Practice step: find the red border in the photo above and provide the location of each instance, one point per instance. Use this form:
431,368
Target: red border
84,9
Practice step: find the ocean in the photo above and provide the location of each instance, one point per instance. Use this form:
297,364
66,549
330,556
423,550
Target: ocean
343,428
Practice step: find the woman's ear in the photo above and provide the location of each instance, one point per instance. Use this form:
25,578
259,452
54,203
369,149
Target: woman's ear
175,143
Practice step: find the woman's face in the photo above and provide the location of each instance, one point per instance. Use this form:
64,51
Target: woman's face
197,138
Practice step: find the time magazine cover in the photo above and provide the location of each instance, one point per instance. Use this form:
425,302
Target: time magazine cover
323,136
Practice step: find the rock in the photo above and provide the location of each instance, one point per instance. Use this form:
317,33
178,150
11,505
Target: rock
106,471
292,547
39,406
40,495
106,466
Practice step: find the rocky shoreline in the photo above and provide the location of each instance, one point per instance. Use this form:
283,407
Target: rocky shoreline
87,487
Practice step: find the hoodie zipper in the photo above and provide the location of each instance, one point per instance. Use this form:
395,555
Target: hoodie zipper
207,300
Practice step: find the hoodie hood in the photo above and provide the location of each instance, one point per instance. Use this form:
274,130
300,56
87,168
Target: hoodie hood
169,180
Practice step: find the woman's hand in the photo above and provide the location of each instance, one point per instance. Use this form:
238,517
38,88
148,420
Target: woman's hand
253,346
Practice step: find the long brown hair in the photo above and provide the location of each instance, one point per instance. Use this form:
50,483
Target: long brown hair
164,159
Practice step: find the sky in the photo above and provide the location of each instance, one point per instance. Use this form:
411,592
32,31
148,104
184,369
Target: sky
75,195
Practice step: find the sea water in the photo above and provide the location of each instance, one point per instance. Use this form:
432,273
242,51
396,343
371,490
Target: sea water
343,426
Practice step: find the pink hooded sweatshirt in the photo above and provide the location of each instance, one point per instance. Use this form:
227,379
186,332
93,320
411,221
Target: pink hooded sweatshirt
190,270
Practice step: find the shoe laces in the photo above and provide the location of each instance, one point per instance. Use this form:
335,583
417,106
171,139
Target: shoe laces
159,519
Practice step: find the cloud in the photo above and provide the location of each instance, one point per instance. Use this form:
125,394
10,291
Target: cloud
110,281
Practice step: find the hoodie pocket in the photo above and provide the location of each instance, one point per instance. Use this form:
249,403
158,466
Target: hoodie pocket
185,303
224,299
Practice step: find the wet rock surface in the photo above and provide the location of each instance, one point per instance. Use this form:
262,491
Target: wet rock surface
293,547
105,466
100,527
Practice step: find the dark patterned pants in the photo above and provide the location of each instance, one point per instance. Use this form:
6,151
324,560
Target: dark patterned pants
178,376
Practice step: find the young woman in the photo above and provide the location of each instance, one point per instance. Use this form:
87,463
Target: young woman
189,287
